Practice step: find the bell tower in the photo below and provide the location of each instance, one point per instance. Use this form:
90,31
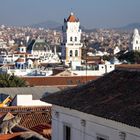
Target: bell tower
71,44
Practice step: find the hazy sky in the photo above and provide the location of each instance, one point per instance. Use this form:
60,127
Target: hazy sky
92,13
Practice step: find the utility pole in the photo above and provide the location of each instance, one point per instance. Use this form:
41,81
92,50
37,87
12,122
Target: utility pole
86,43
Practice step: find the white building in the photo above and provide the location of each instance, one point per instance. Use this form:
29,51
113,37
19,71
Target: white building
135,42
116,50
27,100
98,110
71,45
26,60
97,70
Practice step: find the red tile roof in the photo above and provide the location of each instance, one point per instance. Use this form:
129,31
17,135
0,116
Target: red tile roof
30,116
19,60
10,136
128,66
43,129
72,18
59,80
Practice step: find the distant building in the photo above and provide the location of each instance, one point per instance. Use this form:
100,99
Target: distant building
71,45
105,109
116,50
135,42
38,47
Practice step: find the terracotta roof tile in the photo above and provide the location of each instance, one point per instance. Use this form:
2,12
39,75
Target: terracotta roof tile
30,116
72,18
59,80
43,129
19,60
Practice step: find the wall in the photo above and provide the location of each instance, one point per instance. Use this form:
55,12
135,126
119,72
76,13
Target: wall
102,70
26,100
88,127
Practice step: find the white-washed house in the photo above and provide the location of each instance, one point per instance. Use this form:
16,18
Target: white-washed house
105,109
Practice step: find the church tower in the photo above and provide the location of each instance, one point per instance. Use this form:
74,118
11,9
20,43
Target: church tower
135,44
71,45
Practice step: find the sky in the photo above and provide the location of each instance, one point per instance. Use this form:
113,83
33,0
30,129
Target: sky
92,13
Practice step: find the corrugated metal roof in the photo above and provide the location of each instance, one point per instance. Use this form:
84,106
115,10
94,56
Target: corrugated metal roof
37,92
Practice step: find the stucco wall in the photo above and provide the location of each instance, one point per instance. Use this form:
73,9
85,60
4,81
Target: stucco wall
88,127
26,100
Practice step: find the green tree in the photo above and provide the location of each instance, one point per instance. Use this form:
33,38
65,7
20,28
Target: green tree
131,57
106,57
7,80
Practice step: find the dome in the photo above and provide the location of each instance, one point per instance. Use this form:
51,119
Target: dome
38,45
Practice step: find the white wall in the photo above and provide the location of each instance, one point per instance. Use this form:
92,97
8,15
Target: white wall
93,126
135,44
26,100
102,70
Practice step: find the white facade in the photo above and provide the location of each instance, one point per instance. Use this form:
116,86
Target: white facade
82,126
101,70
135,44
27,100
71,45
116,50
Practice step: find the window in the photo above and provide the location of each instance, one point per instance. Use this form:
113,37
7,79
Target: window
76,53
70,38
136,42
99,138
102,137
71,53
75,38
67,132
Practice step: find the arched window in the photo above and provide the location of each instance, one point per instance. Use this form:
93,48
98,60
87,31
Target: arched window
71,53
75,38
76,53
70,38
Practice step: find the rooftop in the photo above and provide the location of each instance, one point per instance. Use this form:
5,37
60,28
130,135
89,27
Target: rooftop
30,116
114,96
58,80
72,18
36,92
34,121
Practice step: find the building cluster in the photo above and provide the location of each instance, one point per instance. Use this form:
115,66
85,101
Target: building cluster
85,98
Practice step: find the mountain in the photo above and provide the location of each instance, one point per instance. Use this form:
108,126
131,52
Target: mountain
51,25
131,26
47,25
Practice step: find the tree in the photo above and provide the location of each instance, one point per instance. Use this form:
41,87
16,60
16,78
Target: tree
131,57
106,57
7,80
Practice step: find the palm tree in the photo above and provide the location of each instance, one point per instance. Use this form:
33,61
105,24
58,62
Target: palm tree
7,80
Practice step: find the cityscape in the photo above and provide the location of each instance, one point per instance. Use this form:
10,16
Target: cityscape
74,77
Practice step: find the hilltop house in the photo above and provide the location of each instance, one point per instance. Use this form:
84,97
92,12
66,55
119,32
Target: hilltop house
105,109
